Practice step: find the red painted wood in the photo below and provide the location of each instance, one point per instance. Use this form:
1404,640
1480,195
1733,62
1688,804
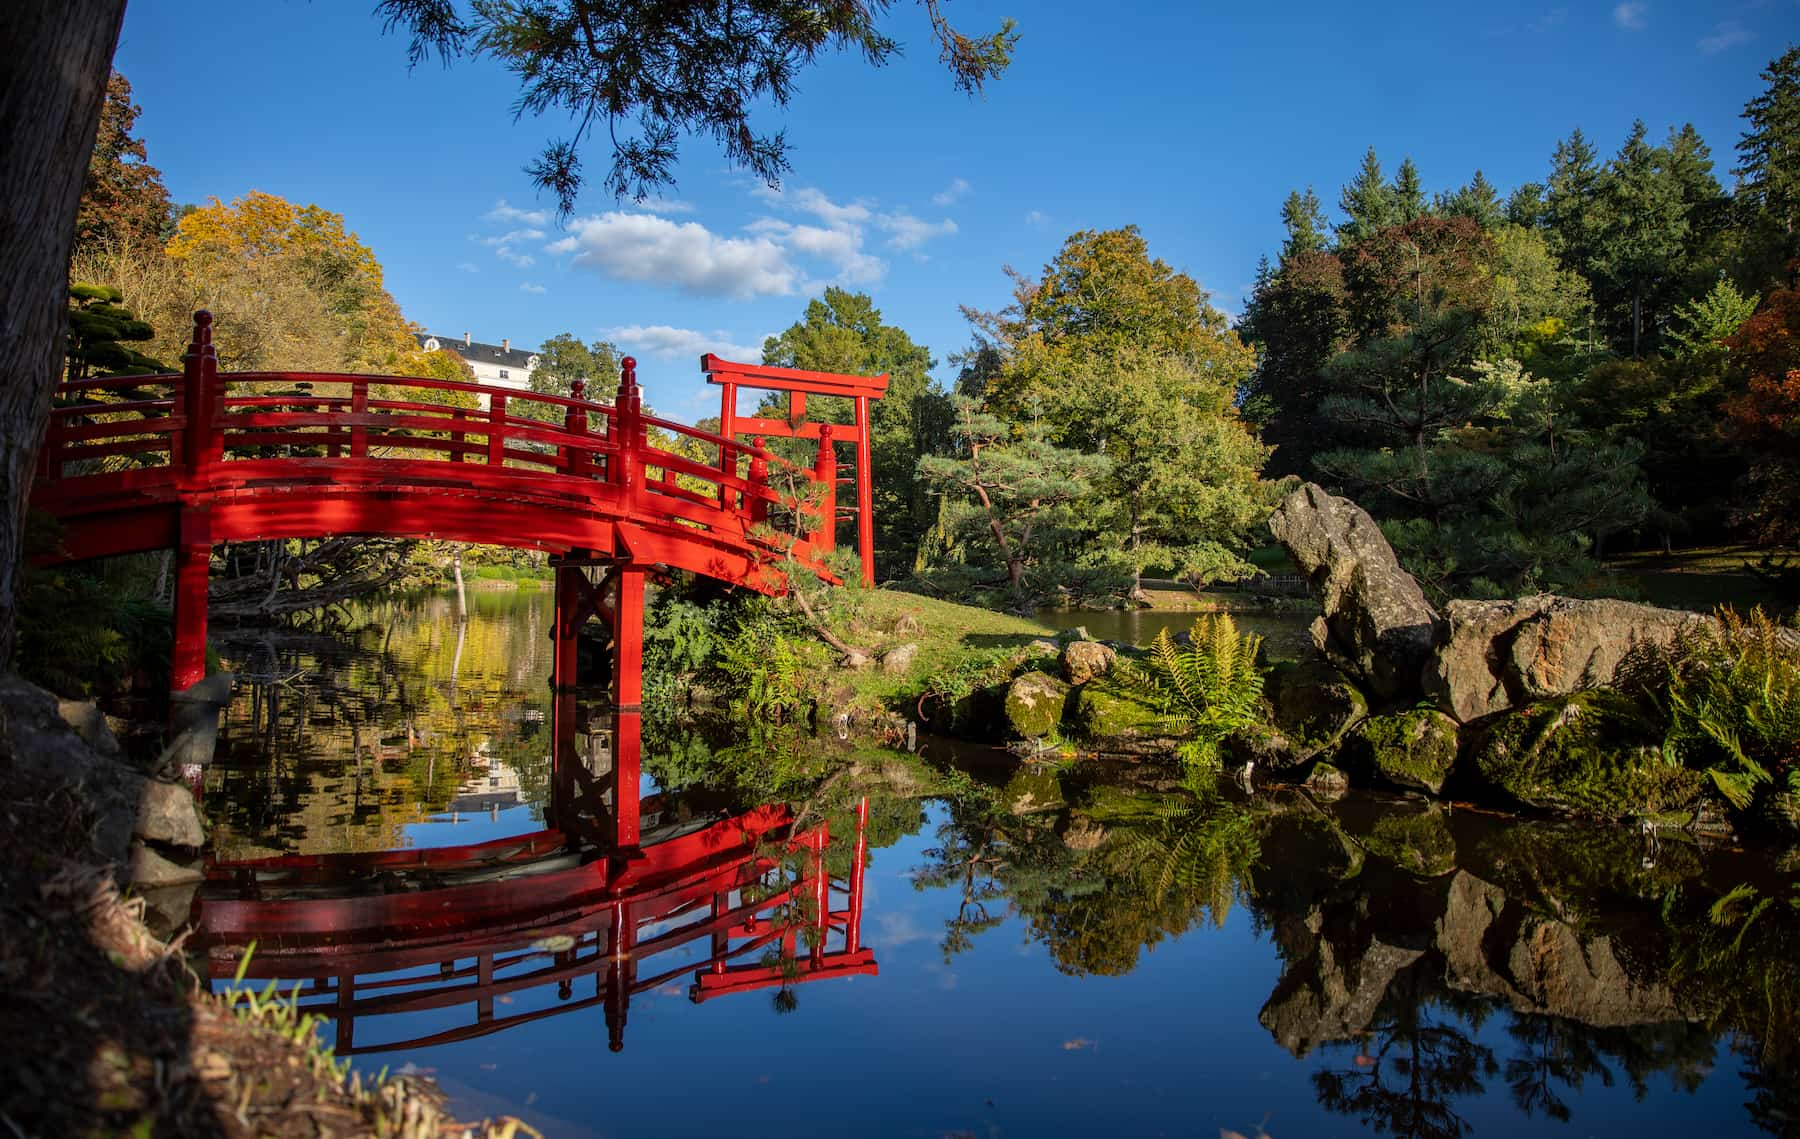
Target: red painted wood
865,493
628,637
795,380
193,562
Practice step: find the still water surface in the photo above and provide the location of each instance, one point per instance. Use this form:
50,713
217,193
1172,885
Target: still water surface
610,949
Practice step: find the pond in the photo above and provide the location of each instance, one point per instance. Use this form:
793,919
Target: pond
612,928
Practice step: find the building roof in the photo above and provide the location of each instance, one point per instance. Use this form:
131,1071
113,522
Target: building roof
477,352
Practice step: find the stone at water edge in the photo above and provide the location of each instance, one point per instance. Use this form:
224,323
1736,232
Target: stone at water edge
1496,655
1588,754
899,658
153,869
1315,705
1327,782
167,814
1034,704
1377,625
1413,750
1083,834
1113,720
91,725
1082,661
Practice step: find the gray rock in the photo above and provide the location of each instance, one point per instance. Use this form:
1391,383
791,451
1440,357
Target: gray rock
1315,705
91,725
899,658
1495,655
1377,625
194,722
167,814
152,869
41,742
1082,661
906,625
1034,704
1078,633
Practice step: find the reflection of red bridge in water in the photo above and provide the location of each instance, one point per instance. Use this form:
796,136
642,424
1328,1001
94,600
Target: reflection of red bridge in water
266,455
612,888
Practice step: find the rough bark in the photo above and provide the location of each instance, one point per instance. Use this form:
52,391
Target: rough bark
55,56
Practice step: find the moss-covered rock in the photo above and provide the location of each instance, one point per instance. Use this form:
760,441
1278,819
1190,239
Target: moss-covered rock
1259,744
1034,791
1111,719
1034,705
1589,754
1314,704
1418,844
1082,661
1327,782
1413,750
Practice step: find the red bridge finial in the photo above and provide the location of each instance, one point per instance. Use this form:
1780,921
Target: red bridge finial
578,389
628,384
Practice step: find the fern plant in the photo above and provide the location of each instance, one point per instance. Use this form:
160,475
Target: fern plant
1733,705
1209,687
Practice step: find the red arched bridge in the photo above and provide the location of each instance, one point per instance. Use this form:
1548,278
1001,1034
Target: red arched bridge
179,462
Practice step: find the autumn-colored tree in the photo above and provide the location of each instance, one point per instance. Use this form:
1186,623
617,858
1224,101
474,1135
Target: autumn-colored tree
289,286
124,200
1765,415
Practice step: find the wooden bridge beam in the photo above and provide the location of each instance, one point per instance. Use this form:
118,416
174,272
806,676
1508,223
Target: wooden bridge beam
193,563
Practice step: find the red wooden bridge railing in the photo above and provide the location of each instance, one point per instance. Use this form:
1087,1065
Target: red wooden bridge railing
181,461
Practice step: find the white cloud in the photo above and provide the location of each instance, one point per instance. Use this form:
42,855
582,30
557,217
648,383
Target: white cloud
469,267
949,194
1036,217
842,247
512,215
505,246
665,206
670,343
687,255
528,287
1630,15
809,200
1725,34
910,232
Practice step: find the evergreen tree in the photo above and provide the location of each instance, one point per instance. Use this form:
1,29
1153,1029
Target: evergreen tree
1768,169
1639,233
1569,193
1009,494
1367,202
101,332
1304,220
1408,193
1478,201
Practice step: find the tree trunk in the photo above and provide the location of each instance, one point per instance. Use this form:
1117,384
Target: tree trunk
58,54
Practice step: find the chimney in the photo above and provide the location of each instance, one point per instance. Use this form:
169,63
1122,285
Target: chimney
467,340
506,345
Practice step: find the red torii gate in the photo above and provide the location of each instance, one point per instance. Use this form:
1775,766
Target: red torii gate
799,383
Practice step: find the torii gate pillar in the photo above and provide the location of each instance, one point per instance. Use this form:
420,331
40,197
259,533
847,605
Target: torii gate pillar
799,383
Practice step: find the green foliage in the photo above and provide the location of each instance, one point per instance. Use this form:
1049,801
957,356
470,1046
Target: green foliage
1733,706
1009,507
101,332
681,638
1701,325
648,74
764,665
82,636
1211,685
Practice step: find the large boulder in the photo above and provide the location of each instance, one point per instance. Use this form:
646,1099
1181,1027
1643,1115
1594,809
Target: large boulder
1376,625
1082,661
1495,655
1112,719
1413,750
1034,705
1589,754
1315,705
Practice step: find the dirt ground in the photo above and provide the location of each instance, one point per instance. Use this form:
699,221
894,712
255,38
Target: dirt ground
105,1031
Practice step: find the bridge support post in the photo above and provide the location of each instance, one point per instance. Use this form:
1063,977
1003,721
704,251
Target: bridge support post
628,637
570,615
193,561
865,493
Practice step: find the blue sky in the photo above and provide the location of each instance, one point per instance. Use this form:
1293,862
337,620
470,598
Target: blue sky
1192,121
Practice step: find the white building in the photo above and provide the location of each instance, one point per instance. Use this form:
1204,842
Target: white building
500,365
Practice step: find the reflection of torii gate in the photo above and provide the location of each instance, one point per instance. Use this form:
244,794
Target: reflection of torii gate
600,896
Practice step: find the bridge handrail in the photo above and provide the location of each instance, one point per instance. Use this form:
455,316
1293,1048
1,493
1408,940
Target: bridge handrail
207,431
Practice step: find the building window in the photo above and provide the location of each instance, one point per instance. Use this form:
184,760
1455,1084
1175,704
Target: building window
503,373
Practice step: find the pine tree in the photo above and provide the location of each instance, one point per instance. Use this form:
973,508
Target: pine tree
1574,181
1478,201
1367,202
1640,230
1408,193
1304,220
1768,169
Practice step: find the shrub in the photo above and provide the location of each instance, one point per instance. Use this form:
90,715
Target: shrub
1211,685
1733,705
